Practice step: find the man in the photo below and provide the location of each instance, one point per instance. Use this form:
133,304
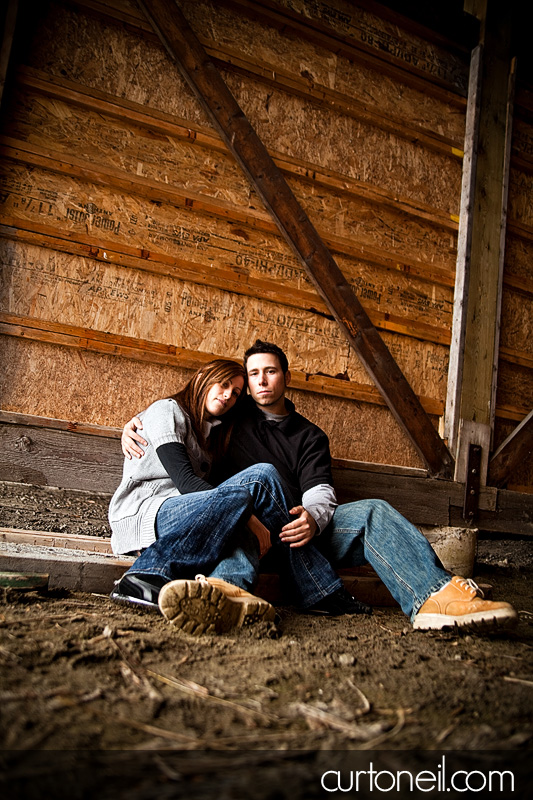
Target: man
367,531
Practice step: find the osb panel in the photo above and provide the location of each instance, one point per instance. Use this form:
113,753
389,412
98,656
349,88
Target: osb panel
63,383
518,257
321,67
110,217
515,386
358,431
520,208
345,17
517,321
103,141
521,479
349,146
522,143
71,290
109,58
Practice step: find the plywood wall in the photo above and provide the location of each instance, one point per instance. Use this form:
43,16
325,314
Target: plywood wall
133,249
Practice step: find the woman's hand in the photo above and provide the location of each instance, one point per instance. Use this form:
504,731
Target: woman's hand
301,531
129,438
263,535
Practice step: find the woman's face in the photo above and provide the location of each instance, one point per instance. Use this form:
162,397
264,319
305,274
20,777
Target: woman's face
223,396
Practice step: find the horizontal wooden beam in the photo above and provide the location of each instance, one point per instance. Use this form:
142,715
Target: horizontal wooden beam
423,500
157,121
157,191
15,418
169,355
223,278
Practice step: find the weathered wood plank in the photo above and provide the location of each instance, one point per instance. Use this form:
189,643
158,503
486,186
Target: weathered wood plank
23,581
48,457
423,500
473,381
298,231
464,246
15,418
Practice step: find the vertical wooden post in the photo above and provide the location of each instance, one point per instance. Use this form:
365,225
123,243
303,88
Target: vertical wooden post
475,341
464,246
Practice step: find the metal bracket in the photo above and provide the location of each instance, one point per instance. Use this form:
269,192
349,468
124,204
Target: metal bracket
473,482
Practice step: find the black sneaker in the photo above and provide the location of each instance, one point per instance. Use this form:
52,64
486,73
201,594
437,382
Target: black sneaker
339,603
136,591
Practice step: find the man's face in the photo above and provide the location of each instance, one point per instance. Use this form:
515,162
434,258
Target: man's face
267,382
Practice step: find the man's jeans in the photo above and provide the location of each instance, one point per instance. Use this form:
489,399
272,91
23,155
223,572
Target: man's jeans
366,531
195,531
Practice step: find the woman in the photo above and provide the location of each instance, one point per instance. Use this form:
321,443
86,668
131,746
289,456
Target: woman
166,510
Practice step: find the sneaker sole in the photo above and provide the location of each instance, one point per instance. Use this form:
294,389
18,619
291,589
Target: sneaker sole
196,607
480,620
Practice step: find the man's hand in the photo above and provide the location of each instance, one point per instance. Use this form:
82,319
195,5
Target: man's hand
129,438
263,534
301,531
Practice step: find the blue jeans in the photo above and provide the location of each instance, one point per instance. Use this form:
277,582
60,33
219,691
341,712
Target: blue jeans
373,532
366,531
196,531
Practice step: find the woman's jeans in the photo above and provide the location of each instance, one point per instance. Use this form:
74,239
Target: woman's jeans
196,531
366,531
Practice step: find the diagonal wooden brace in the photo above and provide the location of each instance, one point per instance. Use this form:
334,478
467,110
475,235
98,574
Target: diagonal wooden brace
298,231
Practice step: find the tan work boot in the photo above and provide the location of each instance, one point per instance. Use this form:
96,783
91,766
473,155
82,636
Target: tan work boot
460,604
211,605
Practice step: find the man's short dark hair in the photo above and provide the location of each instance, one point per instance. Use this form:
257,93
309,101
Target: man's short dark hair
266,347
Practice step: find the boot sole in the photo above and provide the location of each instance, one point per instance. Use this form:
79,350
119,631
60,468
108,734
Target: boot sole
196,607
480,620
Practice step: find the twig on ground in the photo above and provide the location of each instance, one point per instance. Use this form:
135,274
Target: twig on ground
389,735
445,733
190,687
318,718
67,701
517,680
389,630
359,712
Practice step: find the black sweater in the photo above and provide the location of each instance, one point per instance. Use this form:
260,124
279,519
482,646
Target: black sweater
298,449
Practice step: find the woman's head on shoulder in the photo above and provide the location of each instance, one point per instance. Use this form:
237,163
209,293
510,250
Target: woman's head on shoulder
223,382
215,389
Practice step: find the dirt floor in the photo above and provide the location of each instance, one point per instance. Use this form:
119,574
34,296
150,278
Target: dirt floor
80,673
